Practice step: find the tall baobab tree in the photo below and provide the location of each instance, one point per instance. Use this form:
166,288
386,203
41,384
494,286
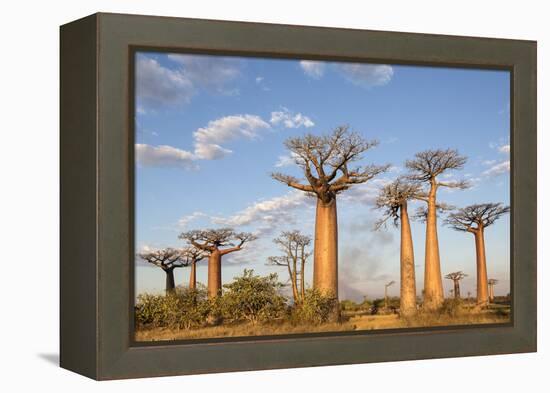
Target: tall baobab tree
425,168
168,259
456,277
474,219
491,283
293,245
393,198
216,243
386,286
325,162
192,255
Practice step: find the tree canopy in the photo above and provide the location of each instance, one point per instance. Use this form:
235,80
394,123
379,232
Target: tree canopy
166,258
211,240
474,217
325,162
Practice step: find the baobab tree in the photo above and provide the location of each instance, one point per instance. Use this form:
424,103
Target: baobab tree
393,198
294,246
425,169
168,259
325,162
192,255
386,286
474,219
216,243
492,282
456,277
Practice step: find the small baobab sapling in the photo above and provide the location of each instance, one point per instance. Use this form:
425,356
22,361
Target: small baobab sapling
491,283
325,162
393,198
425,168
216,243
456,277
474,219
293,246
192,255
168,259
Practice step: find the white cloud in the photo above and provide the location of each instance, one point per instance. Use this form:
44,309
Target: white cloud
504,149
367,75
498,169
209,138
290,119
163,156
185,220
158,85
286,160
313,69
269,214
208,71
259,79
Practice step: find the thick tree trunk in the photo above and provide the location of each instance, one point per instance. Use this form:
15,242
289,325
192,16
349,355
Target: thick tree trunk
302,283
325,261
214,274
193,276
433,282
407,305
170,283
292,274
482,286
456,289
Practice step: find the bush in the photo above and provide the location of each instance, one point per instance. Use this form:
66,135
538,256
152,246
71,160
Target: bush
315,309
253,298
183,309
451,307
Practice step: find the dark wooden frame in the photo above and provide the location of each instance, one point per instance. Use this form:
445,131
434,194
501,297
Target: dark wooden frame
97,195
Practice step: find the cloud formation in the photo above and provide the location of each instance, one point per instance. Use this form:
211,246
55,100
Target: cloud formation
499,167
360,74
290,119
208,139
163,156
313,69
367,75
268,214
158,85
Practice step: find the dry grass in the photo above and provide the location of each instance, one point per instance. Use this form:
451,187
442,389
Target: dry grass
466,316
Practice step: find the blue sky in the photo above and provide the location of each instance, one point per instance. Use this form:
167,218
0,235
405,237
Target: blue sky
210,130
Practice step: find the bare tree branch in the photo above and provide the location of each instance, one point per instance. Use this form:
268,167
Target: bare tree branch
322,158
474,217
392,197
210,240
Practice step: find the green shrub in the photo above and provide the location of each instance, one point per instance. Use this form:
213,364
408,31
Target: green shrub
183,309
315,309
253,298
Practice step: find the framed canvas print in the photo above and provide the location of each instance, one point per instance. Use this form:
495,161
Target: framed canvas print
240,196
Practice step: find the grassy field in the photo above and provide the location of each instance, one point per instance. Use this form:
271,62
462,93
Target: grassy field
350,322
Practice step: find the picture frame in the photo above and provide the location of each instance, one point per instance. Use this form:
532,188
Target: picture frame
97,223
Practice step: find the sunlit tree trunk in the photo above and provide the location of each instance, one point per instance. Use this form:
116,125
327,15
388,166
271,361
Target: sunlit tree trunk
193,276
457,289
408,282
214,274
325,262
170,283
482,287
433,283
302,283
